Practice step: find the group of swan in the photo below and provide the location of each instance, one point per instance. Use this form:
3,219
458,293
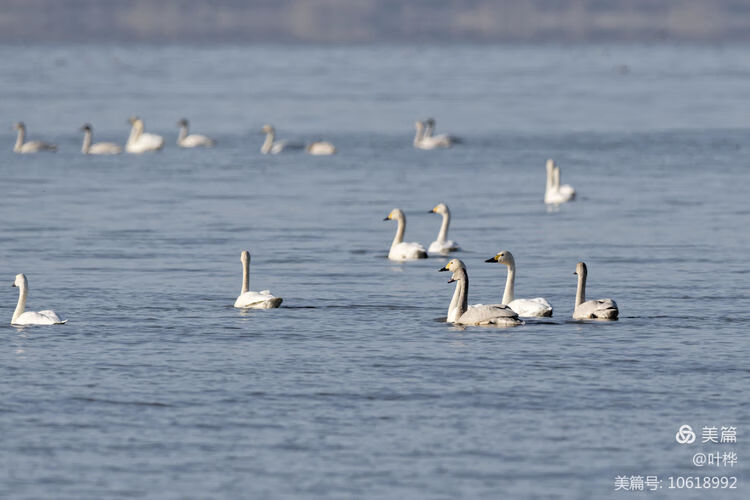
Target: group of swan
401,250
273,147
507,313
554,193
423,139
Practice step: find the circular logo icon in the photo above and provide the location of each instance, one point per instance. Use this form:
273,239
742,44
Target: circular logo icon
685,435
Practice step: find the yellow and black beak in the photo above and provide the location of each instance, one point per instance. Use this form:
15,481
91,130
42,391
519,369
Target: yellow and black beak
493,259
13,284
444,268
388,218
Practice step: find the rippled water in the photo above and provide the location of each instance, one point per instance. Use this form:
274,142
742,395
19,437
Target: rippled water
356,388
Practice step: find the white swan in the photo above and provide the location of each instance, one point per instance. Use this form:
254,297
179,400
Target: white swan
100,148
422,142
479,314
272,146
319,148
253,300
430,128
31,318
193,140
565,189
442,244
31,146
526,308
552,194
140,141
401,250
591,309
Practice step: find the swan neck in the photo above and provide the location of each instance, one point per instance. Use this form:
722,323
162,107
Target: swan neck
19,139
22,293
443,234
548,187
510,283
245,276
268,143
399,231
419,135
556,178
86,141
459,302
183,133
581,292
135,133
428,130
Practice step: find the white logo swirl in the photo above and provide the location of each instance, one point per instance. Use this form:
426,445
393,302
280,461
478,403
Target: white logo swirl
685,435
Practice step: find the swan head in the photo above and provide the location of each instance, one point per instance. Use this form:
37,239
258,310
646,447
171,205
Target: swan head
550,164
441,209
133,119
19,126
86,127
183,122
267,129
396,214
245,256
20,280
456,267
581,269
503,257
430,122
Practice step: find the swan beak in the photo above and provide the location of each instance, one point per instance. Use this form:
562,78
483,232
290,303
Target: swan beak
388,218
443,269
12,284
451,280
493,259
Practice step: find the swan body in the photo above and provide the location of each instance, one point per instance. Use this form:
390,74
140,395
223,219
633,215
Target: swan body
430,128
319,148
192,140
140,141
253,300
272,146
526,308
30,318
479,314
100,148
422,142
401,250
591,309
553,194
442,244
24,147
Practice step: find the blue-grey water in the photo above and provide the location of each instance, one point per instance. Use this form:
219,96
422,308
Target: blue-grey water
356,387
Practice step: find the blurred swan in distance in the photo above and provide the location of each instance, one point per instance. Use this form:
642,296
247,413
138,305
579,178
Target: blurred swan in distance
565,189
272,146
552,194
253,300
192,140
422,142
430,128
461,313
442,244
140,141
591,309
29,318
29,147
320,148
401,250
537,307
100,148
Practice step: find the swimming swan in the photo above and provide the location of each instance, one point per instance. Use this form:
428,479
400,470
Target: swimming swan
319,148
591,309
553,194
422,142
31,146
253,300
442,244
401,250
526,308
193,140
100,148
21,318
273,147
479,314
430,128
140,141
